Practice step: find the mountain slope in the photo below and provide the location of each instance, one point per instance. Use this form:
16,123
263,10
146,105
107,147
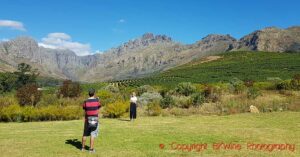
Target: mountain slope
139,57
257,66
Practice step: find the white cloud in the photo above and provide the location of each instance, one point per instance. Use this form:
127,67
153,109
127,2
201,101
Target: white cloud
12,24
122,21
98,51
4,39
64,41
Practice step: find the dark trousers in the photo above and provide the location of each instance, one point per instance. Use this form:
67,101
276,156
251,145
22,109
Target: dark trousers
132,110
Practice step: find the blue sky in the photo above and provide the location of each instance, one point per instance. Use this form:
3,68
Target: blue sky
97,25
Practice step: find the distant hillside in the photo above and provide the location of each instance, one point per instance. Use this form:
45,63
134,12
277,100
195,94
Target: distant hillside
257,66
139,57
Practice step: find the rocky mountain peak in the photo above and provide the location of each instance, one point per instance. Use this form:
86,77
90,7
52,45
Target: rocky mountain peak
147,36
218,37
145,40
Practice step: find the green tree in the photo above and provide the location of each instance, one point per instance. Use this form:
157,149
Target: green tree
7,82
25,75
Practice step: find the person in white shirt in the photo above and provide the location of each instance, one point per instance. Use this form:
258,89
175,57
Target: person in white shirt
133,100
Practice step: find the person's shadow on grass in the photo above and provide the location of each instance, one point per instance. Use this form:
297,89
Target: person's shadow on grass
76,143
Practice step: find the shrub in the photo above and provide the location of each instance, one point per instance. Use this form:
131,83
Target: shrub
10,113
200,88
49,99
183,101
295,83
71,101
253,93
15,113
264,85
283,85
198,99
8,100
249,83
112,88
154,109
237,86
163,92
116,109
211,94
143,89
28,95
167,102
185,88
146,98
106,97
70,89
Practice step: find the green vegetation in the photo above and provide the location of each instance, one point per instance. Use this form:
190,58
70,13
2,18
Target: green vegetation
256,66
177,100
143,137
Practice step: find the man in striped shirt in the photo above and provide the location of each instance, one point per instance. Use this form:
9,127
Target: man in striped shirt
91,125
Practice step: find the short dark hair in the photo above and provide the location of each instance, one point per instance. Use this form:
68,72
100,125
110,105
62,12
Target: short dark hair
91,92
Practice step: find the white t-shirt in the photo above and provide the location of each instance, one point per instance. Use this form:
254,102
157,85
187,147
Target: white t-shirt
133,99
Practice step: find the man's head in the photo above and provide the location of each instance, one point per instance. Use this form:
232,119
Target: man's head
91,92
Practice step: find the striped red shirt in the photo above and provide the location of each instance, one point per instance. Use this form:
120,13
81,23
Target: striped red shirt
91,107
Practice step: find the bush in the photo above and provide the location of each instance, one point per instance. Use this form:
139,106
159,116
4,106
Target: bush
106,97
28,95
200,88
295,83
116,109
183,101
10,113
283,85
163,92
249,83
154,109
178,112
167,102
253,93
264,85
112,88
70,89
198,99
49,99
143,89
147,98
237,85
211,94
16,113
8,100
185,88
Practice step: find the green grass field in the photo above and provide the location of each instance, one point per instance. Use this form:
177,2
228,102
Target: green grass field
142,138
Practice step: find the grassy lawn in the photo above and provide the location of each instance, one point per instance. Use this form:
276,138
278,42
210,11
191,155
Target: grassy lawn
142,138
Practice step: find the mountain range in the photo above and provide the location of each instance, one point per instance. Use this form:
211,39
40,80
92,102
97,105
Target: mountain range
136,58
